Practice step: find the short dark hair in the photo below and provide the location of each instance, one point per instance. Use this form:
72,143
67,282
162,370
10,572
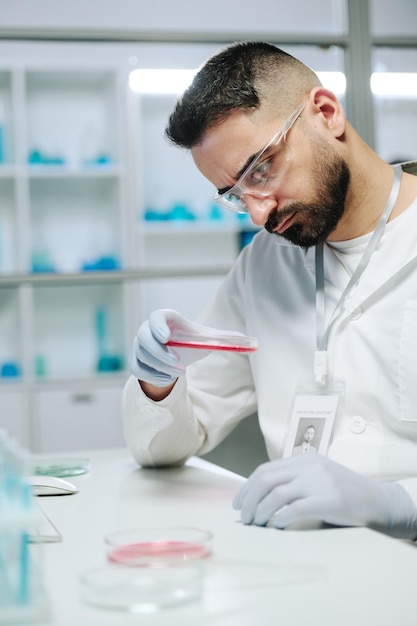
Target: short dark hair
239,77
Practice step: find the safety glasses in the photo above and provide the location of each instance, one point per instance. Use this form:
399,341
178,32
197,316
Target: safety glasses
264,173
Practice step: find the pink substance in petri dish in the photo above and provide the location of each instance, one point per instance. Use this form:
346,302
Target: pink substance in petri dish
208,346
146,551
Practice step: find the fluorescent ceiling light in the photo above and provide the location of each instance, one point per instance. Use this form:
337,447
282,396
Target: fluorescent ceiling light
175,81
394,84
335,81
159,81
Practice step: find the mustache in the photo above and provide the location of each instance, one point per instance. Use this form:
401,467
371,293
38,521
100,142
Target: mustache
278,215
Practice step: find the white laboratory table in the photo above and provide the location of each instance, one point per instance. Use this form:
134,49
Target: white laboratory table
325,577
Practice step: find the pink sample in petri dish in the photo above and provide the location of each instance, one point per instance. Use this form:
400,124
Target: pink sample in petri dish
214,340
150,546
138,552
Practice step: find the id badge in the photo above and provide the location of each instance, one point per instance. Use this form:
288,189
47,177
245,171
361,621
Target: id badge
312,419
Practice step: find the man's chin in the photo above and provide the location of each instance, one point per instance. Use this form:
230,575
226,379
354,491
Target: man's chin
295,236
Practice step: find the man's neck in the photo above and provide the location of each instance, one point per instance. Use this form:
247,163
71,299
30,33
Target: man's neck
365,202
361,217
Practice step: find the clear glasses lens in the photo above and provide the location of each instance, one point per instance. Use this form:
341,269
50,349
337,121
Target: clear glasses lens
259,180
262,175
230,200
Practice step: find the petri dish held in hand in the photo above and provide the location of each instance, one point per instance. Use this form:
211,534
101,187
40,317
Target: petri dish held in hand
215,340
152,546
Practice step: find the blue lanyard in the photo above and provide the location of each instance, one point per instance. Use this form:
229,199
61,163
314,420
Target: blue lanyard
321,355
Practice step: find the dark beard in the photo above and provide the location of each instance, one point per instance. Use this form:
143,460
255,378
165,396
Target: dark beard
322,216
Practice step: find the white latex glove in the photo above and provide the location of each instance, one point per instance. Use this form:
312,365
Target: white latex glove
312,487
154,362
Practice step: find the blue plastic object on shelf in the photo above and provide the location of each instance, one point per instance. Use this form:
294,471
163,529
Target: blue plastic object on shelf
178,212
103,263
215,213
112,363
36,157
152,215
101,159
10,369
181,212
246,236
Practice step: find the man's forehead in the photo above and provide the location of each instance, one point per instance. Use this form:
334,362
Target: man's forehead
231,144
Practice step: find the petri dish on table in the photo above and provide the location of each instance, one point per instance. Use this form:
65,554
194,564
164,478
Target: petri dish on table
60,467
143,547
218,340
142,590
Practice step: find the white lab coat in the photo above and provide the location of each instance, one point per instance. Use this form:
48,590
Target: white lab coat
270,294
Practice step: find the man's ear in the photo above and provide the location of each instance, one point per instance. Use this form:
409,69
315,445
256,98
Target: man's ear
327,105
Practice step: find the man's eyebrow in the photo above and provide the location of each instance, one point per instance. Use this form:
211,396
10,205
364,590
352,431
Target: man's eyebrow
237,176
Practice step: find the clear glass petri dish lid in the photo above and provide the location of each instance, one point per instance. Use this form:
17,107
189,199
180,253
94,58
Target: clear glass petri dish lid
144,589
59,466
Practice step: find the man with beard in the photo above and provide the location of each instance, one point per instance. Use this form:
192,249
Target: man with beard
328,286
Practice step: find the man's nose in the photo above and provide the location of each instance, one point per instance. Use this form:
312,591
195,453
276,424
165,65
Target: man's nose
259,207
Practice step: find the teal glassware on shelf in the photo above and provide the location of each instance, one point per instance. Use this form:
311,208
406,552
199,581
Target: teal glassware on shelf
18,580
2,145
108,360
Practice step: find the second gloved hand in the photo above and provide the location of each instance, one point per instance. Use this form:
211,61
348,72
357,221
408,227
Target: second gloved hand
151,359
313,487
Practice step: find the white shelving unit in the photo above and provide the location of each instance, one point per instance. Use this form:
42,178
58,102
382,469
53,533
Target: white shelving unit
81,160
63,213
